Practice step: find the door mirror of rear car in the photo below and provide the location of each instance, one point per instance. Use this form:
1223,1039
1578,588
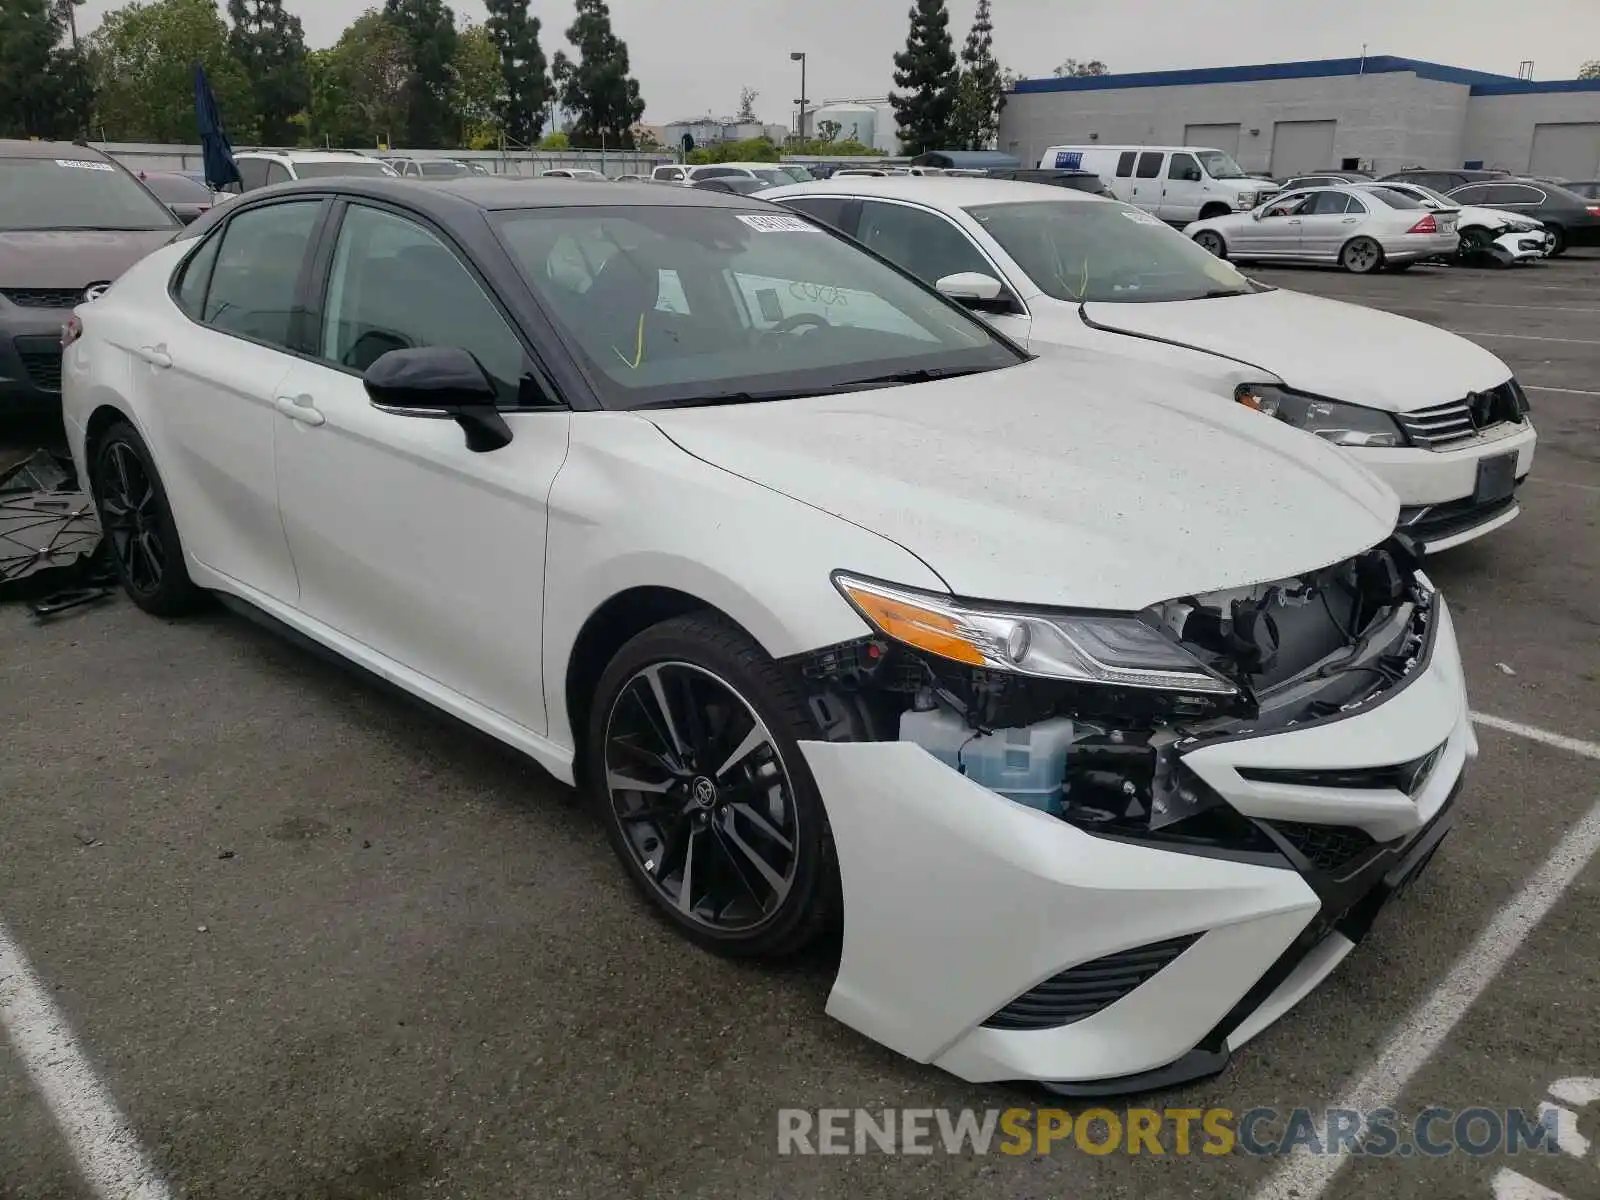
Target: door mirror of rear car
977,291
443,383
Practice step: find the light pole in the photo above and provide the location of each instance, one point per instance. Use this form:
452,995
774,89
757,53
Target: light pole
799,56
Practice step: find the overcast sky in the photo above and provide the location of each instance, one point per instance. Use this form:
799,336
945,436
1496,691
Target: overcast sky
692,56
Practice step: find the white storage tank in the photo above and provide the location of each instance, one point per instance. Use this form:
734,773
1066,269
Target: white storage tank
857,122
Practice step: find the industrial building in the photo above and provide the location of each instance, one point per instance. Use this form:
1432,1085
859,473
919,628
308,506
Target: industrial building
870,121
1377,113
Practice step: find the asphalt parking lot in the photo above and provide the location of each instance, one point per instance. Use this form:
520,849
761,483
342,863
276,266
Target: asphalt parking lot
315,942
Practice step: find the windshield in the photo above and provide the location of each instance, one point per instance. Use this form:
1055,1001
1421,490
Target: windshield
1099,251
798,173
178,189
331,170
66,193
772,175
1220,166
681,304
443,170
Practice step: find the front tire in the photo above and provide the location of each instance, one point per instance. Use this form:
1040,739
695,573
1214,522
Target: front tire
1211,242
136,521
1361,256
694,764
1560,236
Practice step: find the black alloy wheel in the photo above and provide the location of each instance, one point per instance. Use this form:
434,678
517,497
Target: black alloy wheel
137,524
705,793
1211,241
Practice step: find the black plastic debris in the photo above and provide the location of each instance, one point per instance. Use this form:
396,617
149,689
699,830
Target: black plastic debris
52,555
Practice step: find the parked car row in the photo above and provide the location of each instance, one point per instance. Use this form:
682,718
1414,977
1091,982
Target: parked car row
883,556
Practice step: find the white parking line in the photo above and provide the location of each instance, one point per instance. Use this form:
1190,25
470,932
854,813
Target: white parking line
1304,1176
1533,387
1525,337
1529,307
102,1143
1534,734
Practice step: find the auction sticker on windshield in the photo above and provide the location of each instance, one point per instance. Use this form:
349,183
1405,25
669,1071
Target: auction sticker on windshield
776,223
79,164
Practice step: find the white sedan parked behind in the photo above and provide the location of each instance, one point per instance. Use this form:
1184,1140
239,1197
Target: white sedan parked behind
1359,229
1096,764
1438,418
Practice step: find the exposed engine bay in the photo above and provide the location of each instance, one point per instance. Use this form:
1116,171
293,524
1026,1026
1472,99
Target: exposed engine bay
1106,758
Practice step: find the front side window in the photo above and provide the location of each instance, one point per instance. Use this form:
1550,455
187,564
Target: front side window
363,168
395,286
1081,251
665,304
924,243
1184,168
75,193
1125,164
1287,206
254,286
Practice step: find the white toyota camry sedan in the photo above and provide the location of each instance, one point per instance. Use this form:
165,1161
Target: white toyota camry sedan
849,615
1438,418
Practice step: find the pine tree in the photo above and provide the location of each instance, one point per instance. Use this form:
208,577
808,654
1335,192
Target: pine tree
597,89
926,69
522,65
270,45
429,27
983,91
45,88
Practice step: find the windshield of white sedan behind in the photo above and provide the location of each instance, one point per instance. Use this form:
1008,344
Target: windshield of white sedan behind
670,304
1094,251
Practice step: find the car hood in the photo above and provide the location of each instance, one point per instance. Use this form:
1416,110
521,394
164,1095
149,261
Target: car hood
1324,347
52,258
1062,481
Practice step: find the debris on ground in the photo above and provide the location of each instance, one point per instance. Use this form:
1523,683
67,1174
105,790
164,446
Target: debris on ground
52,554
1504,668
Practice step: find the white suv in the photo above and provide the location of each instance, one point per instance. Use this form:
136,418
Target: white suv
263,168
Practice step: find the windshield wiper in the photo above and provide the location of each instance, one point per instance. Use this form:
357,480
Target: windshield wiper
1220,293
920,375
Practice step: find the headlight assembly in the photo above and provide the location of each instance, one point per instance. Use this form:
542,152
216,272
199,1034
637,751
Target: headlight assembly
1120,651
1341,424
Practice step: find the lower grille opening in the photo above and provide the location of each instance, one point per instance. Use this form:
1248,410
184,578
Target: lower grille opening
1086,989
1408,777
44,368
1328,848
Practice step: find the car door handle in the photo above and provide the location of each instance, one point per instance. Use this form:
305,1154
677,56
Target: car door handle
1350,220
156,356
300,408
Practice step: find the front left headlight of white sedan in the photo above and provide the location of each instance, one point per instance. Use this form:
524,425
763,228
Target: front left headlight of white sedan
1332,420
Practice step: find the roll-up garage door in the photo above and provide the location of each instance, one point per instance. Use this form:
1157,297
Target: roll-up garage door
1301,147
1566,151
1213,137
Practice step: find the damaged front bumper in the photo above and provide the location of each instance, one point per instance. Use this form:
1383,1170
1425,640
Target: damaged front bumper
1001,942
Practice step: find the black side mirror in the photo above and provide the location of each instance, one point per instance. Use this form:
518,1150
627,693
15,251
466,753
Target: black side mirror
442,383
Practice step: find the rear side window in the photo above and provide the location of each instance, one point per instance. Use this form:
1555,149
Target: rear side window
1150,164
253,173
191,292
1515,194
257,275
1476,194
1396,199
1125,164
827,209
277,173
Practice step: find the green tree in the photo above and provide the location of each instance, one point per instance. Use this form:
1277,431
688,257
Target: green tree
757,149
555,140
525,78
597,89
926,70
270,45
982,92
1590,70
1073,69
45,87
478,93
358,86
429,28
144,56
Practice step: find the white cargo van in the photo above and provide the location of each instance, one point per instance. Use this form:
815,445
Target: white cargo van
1179,184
